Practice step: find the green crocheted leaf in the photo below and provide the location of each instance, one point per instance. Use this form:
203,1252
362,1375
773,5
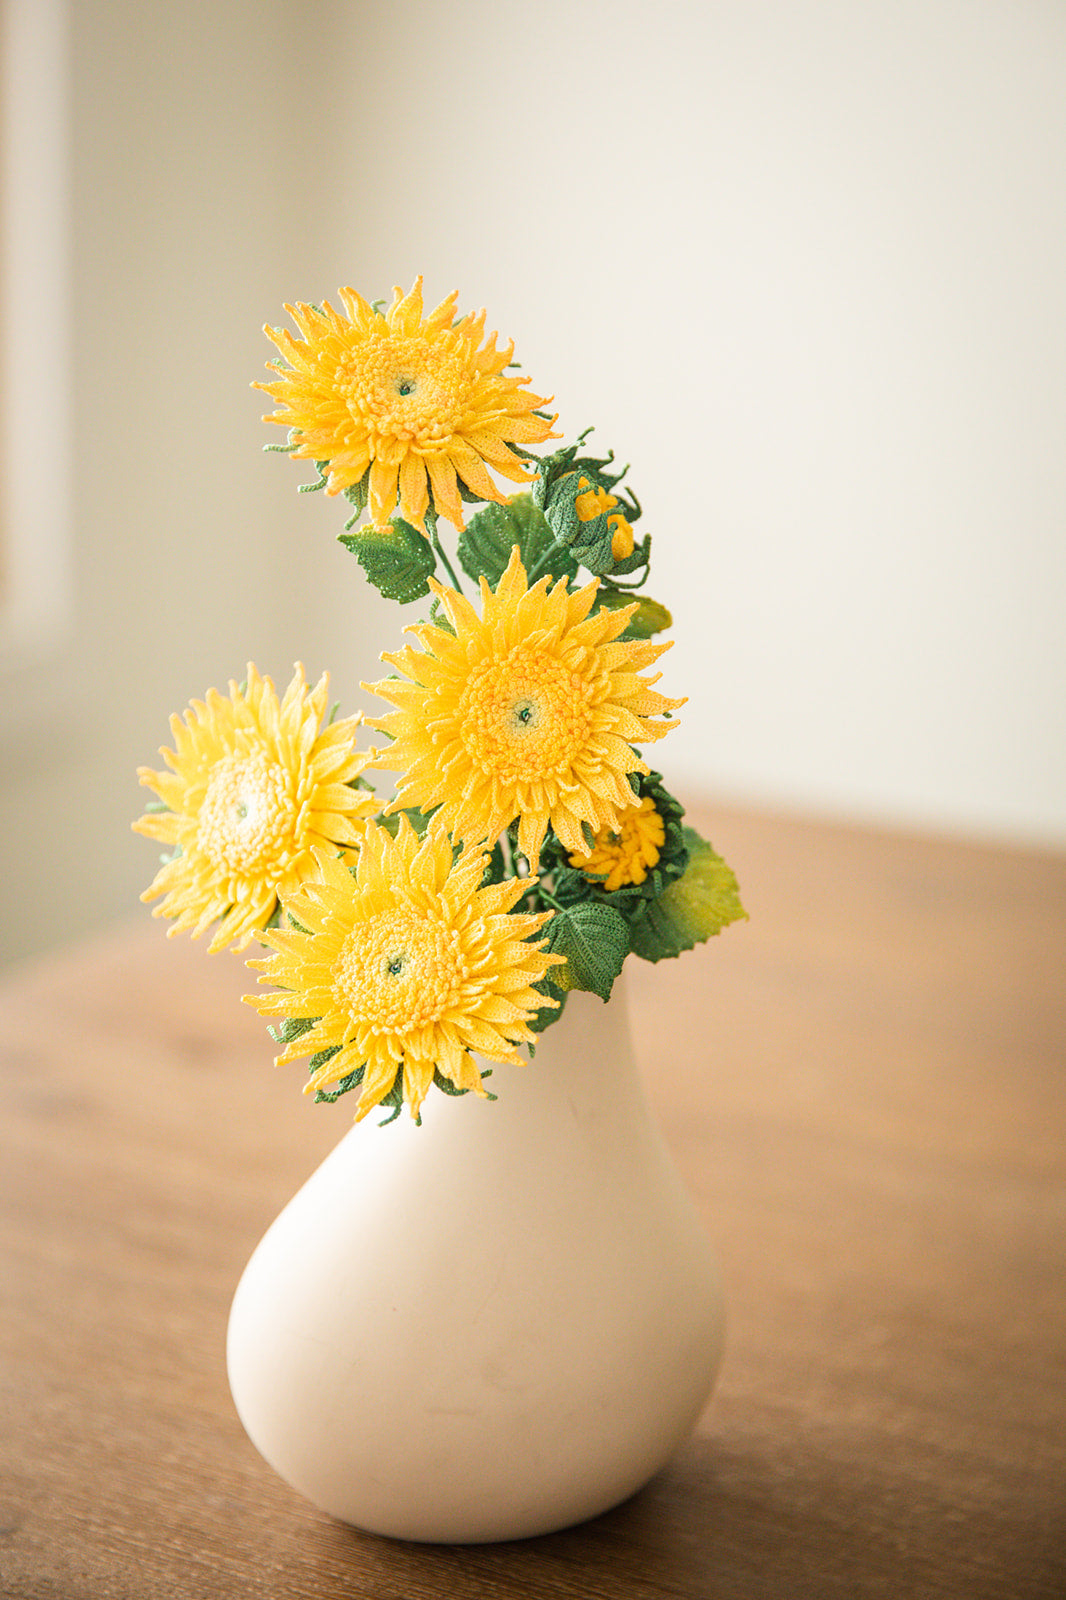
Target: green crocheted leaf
547,1014
485,546
594,939
396,558
650,617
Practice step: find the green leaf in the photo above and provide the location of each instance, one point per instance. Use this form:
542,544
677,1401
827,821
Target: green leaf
544,1016
345,1085
396,558
291,1028
485,546
357,494
394,1099
650,617
321,467
692,909
446,1086
594,939
560,462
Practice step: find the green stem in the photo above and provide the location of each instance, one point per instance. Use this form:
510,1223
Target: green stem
540,565
616,582
545,894
434,536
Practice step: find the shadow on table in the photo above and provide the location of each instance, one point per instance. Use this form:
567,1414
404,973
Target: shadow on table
716,1525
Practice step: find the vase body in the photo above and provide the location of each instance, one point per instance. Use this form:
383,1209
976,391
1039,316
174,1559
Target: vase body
491,1326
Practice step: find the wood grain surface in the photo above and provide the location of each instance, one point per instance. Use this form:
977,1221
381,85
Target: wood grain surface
864,1089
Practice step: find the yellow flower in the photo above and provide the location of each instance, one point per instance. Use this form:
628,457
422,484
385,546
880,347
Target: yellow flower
592,503
408,966
414,401
255,785
626,854
622,539
529,711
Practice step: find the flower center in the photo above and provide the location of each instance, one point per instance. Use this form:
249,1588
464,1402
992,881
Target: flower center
525,717
406,388
399,970
247,820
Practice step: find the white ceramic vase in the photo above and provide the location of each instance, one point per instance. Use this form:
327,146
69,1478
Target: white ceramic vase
491,1326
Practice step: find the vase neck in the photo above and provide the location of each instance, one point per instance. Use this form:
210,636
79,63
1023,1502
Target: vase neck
590,1041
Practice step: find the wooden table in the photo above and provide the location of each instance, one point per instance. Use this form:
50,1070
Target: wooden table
867,1102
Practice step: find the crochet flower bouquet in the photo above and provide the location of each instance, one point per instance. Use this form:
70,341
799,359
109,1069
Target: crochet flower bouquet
528,849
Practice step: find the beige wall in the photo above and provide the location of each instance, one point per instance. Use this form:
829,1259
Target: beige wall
802,265
194,197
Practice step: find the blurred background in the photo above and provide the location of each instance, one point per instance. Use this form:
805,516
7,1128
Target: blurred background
800,262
